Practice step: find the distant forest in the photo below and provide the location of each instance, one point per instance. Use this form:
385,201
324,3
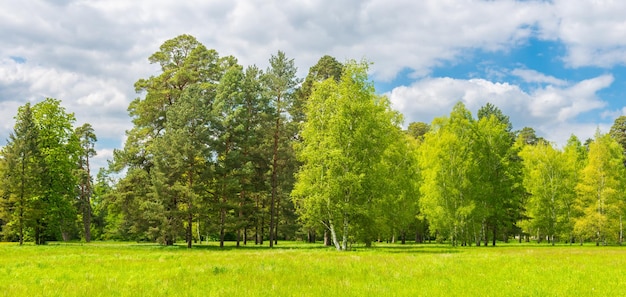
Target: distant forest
219,151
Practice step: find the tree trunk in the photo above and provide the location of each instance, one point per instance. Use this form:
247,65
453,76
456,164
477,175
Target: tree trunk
344,241
274,172
256,220
486,234
276,219
403,237
222,225
495,233
333,235
262,234
417,235
189,233
621,230
327,239
87,220
87,209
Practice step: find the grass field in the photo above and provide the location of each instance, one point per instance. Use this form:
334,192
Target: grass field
296,269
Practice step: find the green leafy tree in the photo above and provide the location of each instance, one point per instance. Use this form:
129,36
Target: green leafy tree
21,169
418,129
527,136
60,149
547,177
399,169
489,110
347,131
575,155
600,189
498,171
325,68
448,167
618,132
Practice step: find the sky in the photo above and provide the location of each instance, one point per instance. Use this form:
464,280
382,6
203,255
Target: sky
557,66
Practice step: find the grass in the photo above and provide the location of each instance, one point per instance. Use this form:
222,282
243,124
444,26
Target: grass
297,269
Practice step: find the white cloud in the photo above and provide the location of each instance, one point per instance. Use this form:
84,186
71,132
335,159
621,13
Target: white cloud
99,101
549,110
89,53
594,32
533,76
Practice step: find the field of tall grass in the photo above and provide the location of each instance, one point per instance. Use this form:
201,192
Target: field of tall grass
297,269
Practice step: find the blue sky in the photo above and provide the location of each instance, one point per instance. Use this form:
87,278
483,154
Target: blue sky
556,66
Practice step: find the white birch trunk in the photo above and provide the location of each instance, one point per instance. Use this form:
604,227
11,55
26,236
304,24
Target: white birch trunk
333,234
344,243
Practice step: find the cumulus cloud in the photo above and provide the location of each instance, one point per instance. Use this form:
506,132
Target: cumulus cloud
89,53
594,32
548,109
99,101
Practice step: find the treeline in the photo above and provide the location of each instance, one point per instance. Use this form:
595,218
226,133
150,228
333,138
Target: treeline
219,151
46,182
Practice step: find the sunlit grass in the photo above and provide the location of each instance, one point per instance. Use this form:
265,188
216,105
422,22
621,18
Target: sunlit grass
296,269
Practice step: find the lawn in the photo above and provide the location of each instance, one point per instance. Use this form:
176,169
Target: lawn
297,269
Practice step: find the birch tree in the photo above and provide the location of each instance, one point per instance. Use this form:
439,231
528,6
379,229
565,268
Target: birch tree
448,167
344,138
547,179
600,192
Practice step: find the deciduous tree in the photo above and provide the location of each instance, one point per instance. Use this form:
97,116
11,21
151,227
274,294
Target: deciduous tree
347,131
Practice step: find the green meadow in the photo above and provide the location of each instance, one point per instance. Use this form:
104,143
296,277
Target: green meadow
297,269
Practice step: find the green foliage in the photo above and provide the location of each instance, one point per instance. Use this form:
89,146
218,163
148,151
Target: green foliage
418,130
216,148
40,174
447,163
21,167
280,82
600,198
618,132
469,176
549,178
346,134
87,138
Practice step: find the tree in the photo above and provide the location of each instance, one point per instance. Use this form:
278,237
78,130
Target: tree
448,167
491,110
21,163
547,178
575,155
280,83
87,138
493,152
618,132
600,189
185,64
527,136
325,68
418,129
344,138
398,209
231,125
182,162
60,149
